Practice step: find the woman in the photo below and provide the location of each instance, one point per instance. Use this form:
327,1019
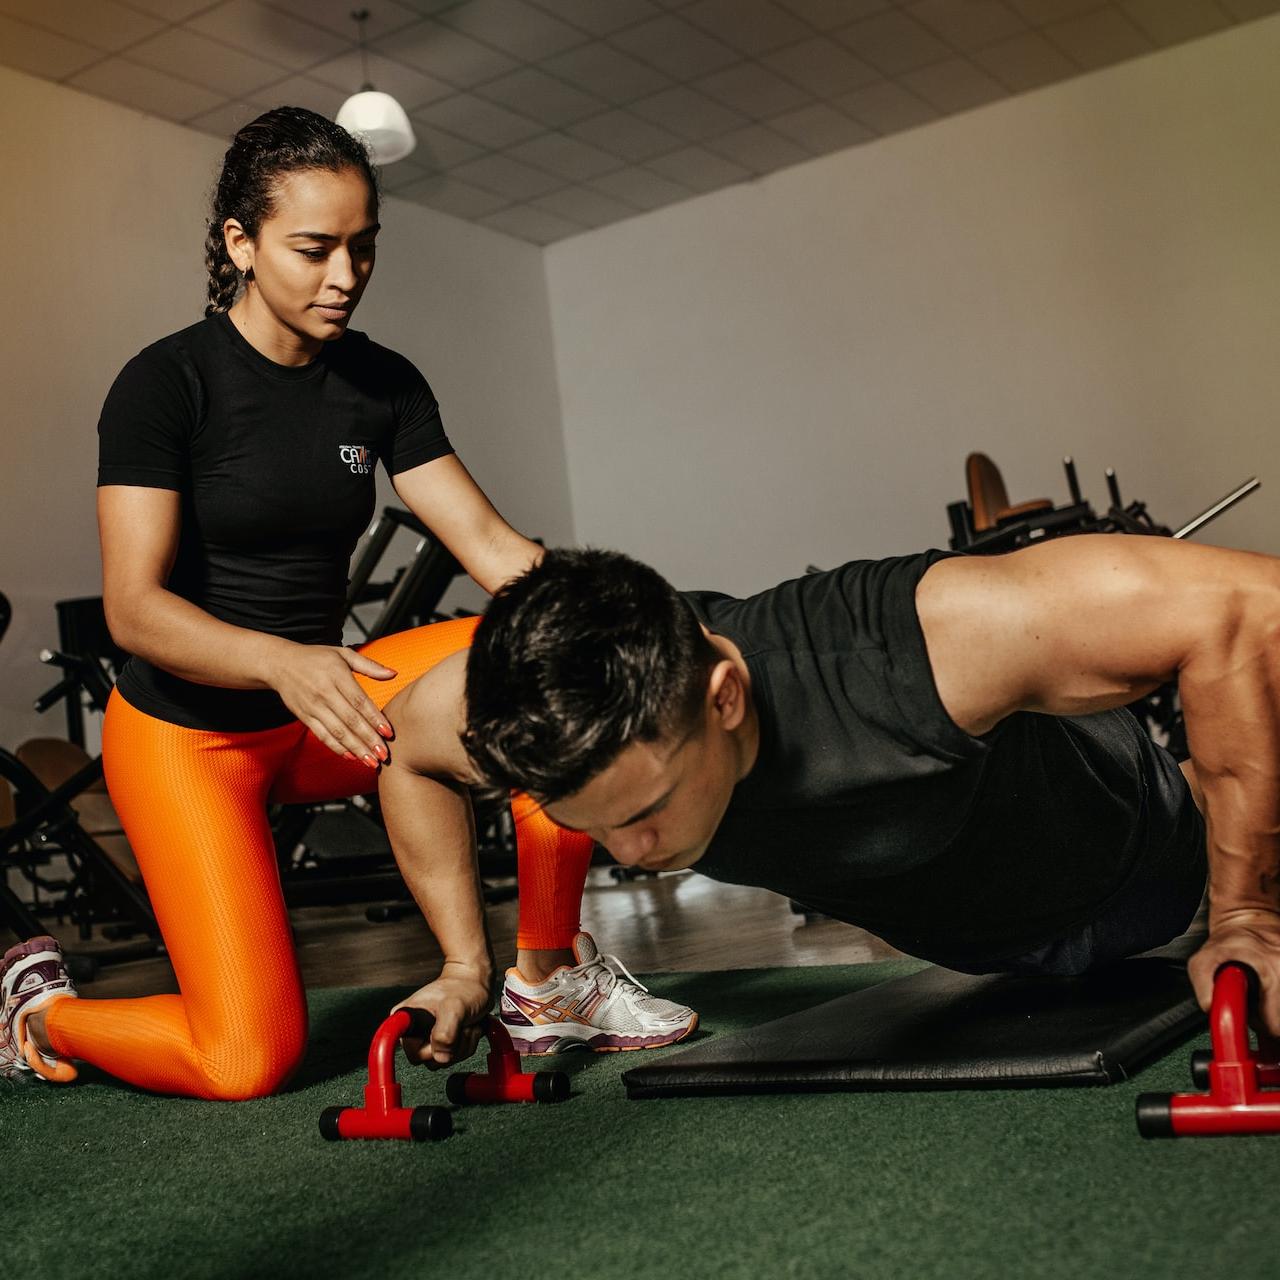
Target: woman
235,479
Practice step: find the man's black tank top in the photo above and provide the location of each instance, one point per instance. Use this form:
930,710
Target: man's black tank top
869,804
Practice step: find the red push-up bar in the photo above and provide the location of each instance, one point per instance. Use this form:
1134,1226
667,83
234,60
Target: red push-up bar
383,1116
505,1081
1241,1097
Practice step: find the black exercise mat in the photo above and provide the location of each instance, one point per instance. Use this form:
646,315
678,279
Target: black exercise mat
941,1030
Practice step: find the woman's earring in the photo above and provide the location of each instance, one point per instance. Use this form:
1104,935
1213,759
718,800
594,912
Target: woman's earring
248,274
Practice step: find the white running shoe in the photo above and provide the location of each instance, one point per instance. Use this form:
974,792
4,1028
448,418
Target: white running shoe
31,974
594,1004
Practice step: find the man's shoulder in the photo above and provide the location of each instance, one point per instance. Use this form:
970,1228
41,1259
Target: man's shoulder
428,717
859,600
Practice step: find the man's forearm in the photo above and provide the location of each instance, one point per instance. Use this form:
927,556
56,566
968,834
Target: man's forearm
433,835
1231,698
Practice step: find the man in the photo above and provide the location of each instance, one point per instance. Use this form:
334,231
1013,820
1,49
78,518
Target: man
932,747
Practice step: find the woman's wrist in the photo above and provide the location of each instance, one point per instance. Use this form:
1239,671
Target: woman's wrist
268,662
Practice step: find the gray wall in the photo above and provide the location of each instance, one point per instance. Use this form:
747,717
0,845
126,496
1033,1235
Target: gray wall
793,371
103,212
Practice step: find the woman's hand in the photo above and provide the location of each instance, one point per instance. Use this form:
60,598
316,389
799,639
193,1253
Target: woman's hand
315,683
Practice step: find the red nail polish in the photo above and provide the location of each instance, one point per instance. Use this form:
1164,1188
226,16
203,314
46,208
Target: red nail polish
370,761
385,729
346,755
382,753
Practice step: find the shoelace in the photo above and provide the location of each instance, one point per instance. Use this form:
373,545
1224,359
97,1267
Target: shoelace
608,978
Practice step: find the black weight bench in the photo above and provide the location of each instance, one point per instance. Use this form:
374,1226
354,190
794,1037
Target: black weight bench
941,1030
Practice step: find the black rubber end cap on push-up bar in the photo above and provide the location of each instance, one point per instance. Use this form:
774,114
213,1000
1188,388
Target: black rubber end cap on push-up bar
942,1030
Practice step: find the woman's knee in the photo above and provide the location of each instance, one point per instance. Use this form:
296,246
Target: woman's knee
254,1063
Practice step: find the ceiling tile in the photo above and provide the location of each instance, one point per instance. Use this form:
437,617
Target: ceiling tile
542,97
429,7
411,88
626,135
607,72
506,177
600,17
1172,21
514,27
484,123
227,120
752,27
954,85
100,23
826,14
170,10
1039,13
335,16
586,207
269,33
758,148
699,169
753,90
967,24
439,150
446,54
689,115
42,53
886,107
893,42
1099,39
566,157
393,177
1247,9
821,66
1025,62
535,225
451,196
300,91
820,129
674,47
146,89
641,188
229,72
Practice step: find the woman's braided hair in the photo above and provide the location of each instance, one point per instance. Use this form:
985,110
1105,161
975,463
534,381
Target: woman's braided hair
284,140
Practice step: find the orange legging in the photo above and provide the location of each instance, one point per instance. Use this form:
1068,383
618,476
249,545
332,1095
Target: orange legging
194,806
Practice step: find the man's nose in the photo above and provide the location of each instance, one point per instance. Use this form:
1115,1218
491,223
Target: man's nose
629,847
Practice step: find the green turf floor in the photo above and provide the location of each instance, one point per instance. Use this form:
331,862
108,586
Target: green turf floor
100,1180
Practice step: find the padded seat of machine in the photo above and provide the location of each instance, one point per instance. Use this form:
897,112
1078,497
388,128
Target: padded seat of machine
942,1030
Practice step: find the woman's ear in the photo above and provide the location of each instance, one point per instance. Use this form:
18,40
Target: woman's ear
239,245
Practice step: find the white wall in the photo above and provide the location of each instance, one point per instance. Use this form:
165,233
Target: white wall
793,371
102,210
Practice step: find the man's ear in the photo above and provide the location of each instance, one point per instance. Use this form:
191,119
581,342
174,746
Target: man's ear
728,695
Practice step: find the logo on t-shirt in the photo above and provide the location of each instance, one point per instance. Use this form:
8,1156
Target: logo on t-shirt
359,457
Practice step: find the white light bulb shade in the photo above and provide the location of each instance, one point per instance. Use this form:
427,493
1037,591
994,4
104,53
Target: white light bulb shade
380,120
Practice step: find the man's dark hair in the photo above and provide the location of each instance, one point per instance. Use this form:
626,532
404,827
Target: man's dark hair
575,660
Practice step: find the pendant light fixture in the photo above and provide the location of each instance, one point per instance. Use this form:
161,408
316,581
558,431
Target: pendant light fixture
376,117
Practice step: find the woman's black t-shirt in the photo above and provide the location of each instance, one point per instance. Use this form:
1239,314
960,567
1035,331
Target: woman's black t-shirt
274,464
868,803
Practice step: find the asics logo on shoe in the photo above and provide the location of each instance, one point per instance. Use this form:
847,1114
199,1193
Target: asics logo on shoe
557,1009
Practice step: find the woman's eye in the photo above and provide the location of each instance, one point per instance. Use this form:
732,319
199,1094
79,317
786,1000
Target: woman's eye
315,255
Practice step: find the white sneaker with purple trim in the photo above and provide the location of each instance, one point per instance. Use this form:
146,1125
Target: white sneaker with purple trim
595,1004
31,974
